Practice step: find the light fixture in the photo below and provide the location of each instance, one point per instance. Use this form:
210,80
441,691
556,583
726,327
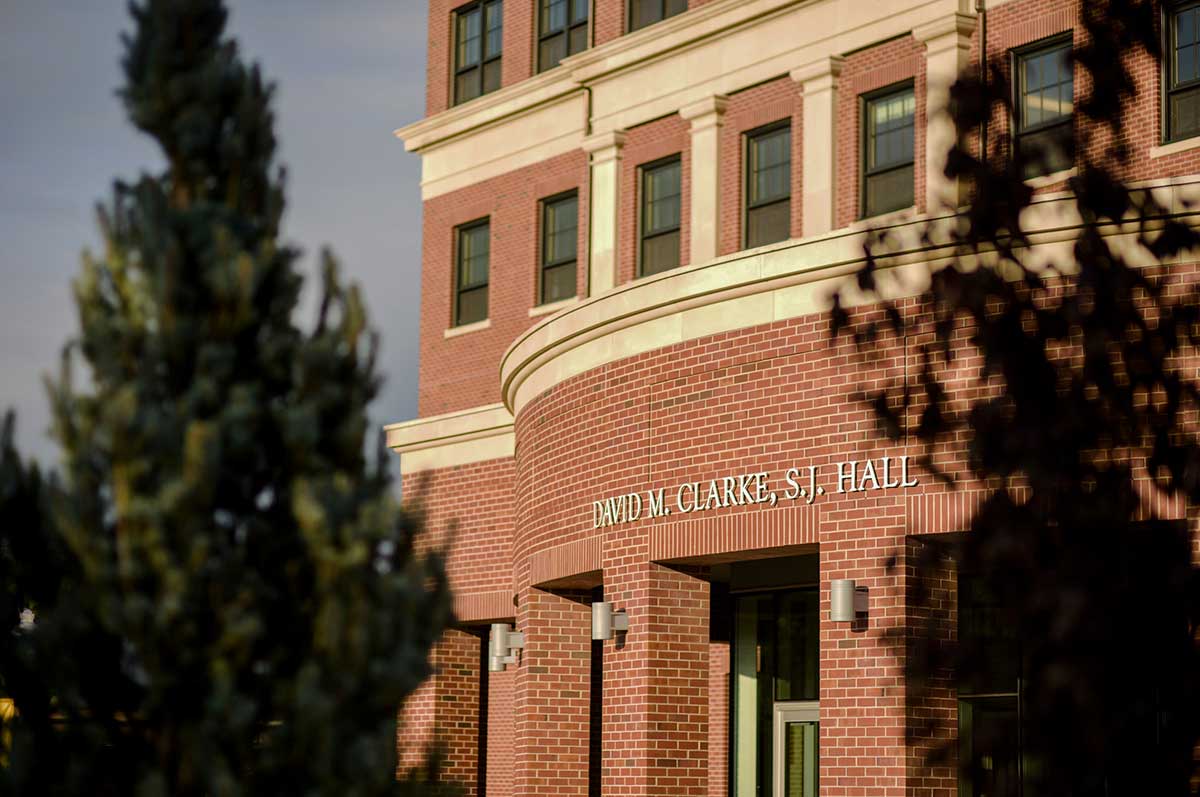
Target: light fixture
846,601
605,621
501,643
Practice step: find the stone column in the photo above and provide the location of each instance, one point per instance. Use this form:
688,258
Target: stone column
605,152
947,54
706,117
819,175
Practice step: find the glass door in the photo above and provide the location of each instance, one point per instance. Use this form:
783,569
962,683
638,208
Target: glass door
774,711
795,763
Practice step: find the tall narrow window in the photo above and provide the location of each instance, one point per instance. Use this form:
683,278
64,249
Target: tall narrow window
478,35
647,12
1183,72
768,185
563,30
1044,104
887,167
560,225
471,296
660,216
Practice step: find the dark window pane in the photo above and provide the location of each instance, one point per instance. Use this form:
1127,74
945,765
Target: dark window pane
1047,151
1047,87
888,191
559,226
472,306
469,38
554,15
558,283
768,224
796,649
660,253
473,245
551,51
466,85
661,198
890,130
644,12
495,32
769,163
1185,113
491,76
579,11
578,38
1185,27
988,739
674,7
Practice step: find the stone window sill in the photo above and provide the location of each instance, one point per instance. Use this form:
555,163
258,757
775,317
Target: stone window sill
552,307
1175,147
1054,178
454,332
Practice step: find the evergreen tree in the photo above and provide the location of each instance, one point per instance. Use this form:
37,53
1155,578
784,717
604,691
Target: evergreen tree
227,598
1086,390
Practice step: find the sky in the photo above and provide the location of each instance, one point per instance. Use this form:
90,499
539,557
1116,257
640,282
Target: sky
347,75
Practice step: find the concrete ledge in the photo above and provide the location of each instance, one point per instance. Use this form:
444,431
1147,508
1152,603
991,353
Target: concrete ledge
456,438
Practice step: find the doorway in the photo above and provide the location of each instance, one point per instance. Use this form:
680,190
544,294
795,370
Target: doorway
775,711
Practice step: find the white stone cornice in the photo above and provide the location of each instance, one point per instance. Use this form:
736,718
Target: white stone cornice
456,438
481,111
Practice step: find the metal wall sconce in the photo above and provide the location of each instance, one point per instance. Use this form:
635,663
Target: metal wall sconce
501,643
605,621
846,601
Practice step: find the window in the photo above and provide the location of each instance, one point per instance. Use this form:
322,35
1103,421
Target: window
563,26
560,223
478,34
888,174
1183,72
647,12
1044,103
471,296
768,185
660,216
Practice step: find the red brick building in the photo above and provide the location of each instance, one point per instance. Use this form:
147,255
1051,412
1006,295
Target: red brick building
635,214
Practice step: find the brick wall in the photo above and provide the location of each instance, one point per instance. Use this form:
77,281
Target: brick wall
761,105
644,144
443,714
461,372
609,22
865,71
469,513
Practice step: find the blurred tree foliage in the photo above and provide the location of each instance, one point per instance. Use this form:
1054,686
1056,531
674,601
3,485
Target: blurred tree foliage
227,596
1087,379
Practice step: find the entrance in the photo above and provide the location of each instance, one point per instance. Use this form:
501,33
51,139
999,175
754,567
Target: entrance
776,715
